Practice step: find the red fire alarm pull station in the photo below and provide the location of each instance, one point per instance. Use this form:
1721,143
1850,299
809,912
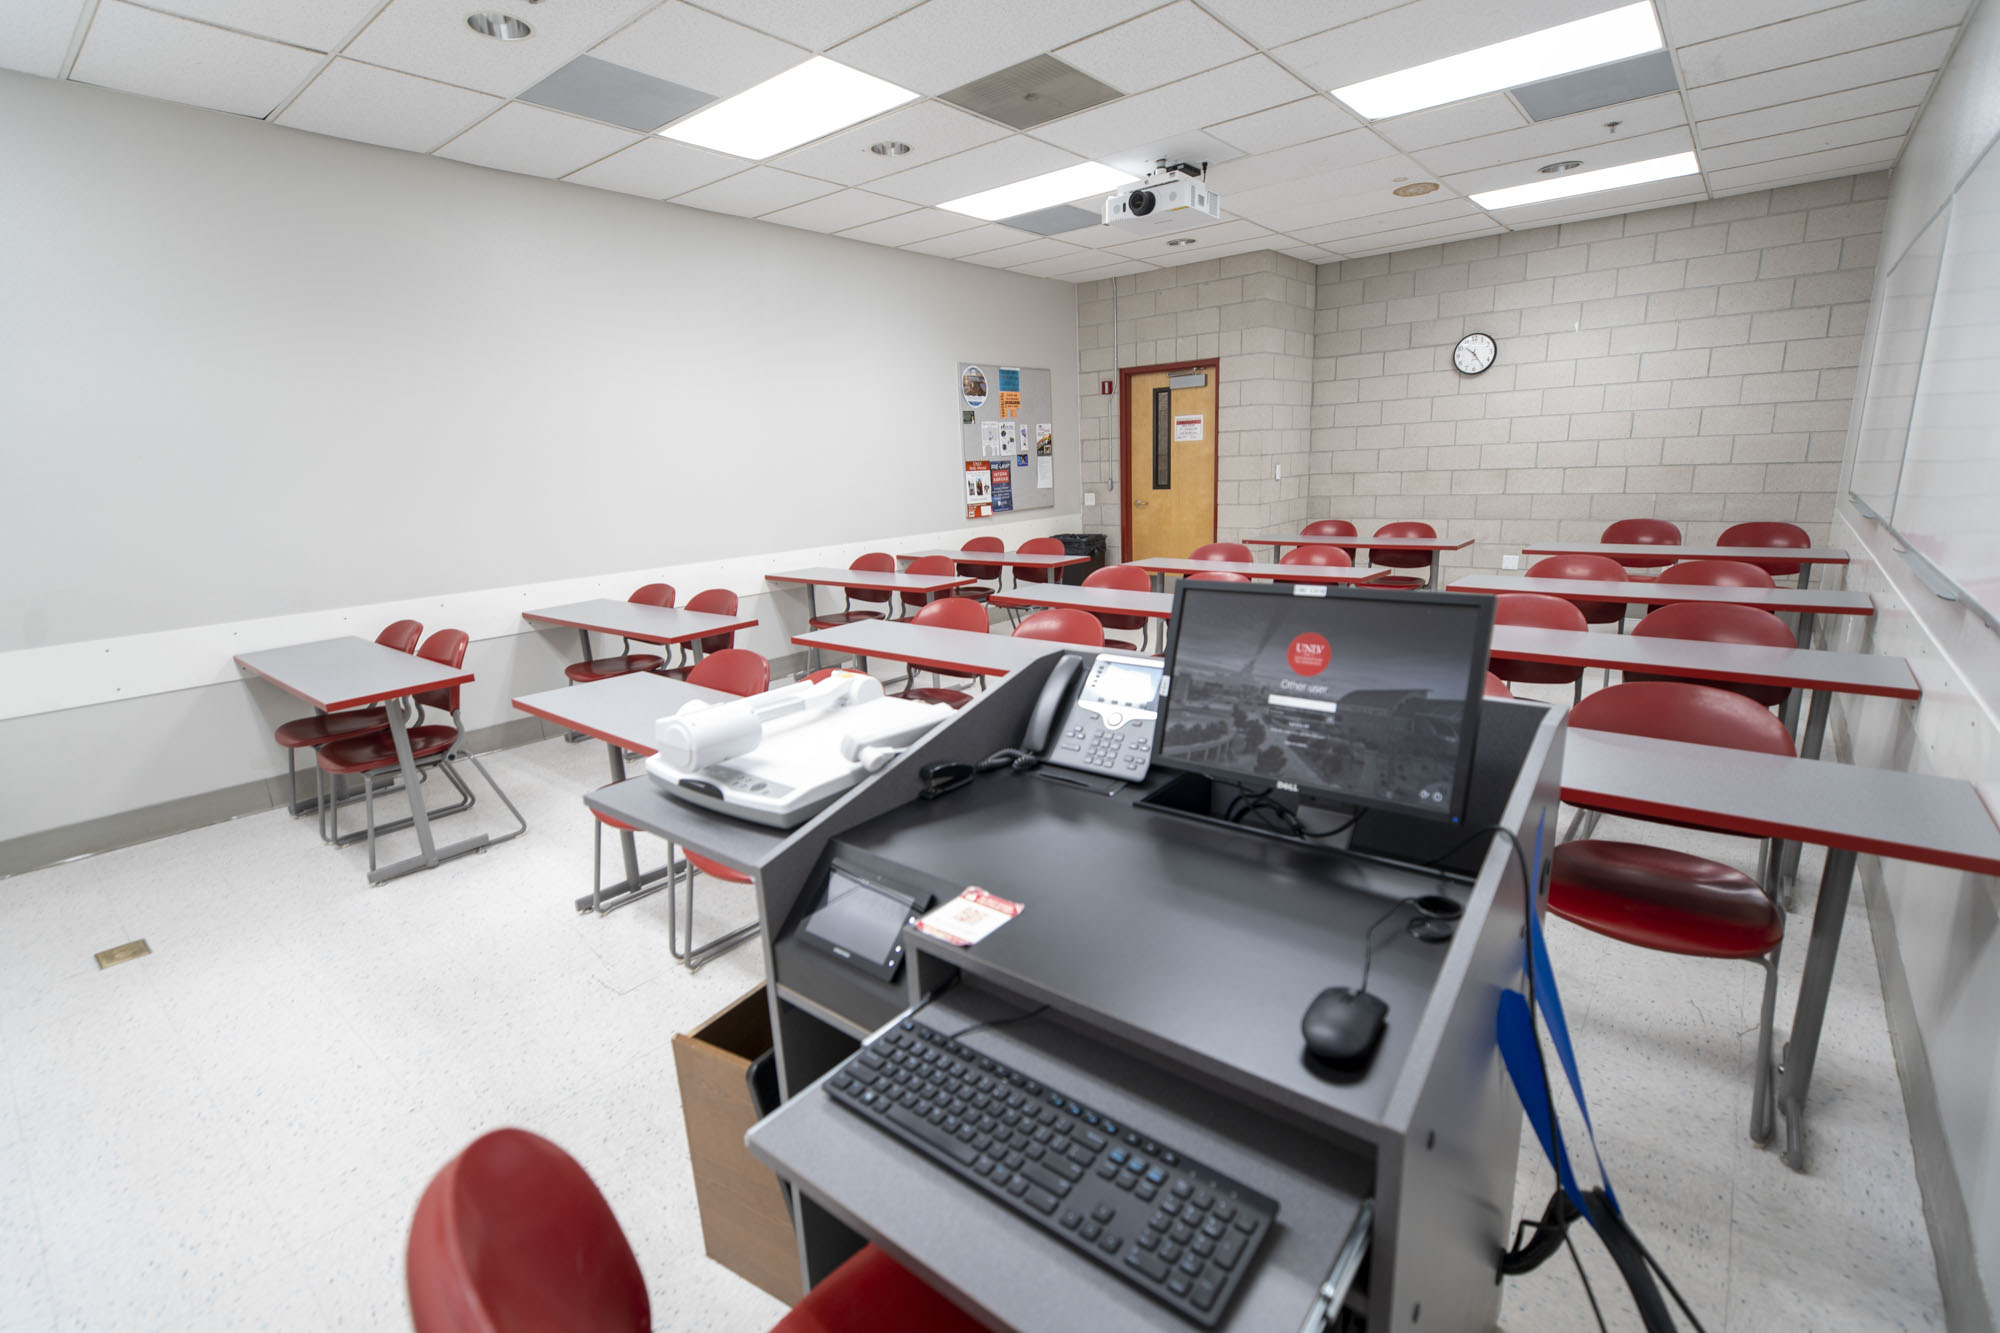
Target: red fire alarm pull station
1104,386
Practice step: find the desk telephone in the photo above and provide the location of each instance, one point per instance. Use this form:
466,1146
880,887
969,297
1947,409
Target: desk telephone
1098,715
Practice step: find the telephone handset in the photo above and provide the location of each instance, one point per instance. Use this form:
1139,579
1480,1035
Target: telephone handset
1098,714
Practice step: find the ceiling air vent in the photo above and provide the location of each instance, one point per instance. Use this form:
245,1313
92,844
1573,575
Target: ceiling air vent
1031,93
1606,85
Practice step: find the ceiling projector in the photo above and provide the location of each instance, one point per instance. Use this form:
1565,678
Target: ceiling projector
1171,198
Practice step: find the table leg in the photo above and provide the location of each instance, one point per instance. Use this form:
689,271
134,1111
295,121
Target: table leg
635,885
1437,569
429,853
1795,1068
1805,629
583,636
1805,575
1815,738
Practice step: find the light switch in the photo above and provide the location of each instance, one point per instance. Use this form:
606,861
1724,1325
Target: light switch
1089,498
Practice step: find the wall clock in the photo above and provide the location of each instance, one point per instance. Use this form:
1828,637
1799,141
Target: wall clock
1474,353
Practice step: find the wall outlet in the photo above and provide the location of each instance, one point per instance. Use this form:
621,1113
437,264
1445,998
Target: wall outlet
1089,499
1506,561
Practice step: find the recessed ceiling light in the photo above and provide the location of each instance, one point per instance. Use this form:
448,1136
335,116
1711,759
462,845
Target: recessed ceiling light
1597,40
1590,182
1413,189
1053,187
1558,168
1182,240
888,148
804,103
492,23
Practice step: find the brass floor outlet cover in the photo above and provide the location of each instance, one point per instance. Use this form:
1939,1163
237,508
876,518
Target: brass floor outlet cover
124,953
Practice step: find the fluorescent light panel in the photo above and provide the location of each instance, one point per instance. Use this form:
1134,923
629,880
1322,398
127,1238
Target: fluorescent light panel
804,103
1590,182
1597,40
1044,191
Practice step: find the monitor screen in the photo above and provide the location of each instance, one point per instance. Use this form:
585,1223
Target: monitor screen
859,922
1356,697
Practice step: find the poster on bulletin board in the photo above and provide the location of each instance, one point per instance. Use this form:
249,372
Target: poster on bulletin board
1004,421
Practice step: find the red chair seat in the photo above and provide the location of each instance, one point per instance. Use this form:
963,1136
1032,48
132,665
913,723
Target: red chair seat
1396,581
839,618
872,1293
715,869
311,732
365,754
1662,899
929,694
604,668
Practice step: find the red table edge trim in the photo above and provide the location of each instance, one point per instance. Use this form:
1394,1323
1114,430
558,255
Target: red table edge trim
1762,553
1912,691
570,724
730,628
938,582
1020,600
359,701
1386,543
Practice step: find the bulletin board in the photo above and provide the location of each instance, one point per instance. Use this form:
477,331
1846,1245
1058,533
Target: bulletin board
1006,428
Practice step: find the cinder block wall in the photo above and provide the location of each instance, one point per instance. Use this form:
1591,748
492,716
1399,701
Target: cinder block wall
1693,363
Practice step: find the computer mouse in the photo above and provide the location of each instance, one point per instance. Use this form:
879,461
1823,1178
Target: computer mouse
1342,1026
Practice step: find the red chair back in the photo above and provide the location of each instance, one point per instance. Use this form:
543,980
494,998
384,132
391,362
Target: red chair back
1038,546
1125,578
982,571
1331,556
1403,559
954,613
1537,611
1063,625
872,562
1593,567
1720,623
654,594
872,1293
1329,527
1226,551
1220,576
447,647
715,602
1768,534
1642,532
1718,574
735,671
930,564
1496,688
1681,711
402,635
512,1236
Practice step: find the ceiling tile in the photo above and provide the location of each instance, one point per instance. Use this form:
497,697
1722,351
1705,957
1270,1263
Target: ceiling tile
1826,33
1191,146
688,46
1609,153
138,51
1419,32
1035,250
1346,192
1582,136
1689,21
1632,199
984,236
944,43
1893,60
1297,122
656,168
535,142
1300,162
615,94
1312,254
1204,99
1418,213
1478,118
1845,161
429,37
837,212
931,129
1139,245
1855,102
1157,48
1273,22
34,34
1001,162
1430,233
350,100
756,191
922,225
320,24
1117,270
814,24
1066,266
1814,139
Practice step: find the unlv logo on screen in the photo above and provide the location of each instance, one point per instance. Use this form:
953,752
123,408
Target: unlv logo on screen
1309,654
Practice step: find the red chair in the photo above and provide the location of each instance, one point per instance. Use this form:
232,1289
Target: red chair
1402,559
431,746
1063,624
1223,551
1720,624
512,1236
714,602
872,1293
873,562
1673,901
743,673
928,564
1321,557
1538,611
309,733
1594,568
1039,546
1329,527
1219,576
627,662
960,613
981,572
1126,578
1714,574
1496,688
1768,534
1643,532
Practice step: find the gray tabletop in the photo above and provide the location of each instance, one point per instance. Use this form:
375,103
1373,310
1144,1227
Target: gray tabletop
1909,816
1438,543
1015,559
826,576
1265,569
1825,601
349,672
1817,555
1753,664
634,620
958,651
620,710
640,803
1110,601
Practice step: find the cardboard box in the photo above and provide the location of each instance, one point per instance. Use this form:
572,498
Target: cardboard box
744,1224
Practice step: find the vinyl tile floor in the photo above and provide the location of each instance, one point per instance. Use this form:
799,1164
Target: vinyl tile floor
232,1133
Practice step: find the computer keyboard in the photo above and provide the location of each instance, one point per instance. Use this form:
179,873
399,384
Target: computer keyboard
1177,1230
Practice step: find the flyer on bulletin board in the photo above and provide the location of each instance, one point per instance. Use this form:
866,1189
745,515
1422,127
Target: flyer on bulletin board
978,490
1003,489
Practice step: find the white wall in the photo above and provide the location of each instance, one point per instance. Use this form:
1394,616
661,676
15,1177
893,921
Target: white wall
269,383
1938,931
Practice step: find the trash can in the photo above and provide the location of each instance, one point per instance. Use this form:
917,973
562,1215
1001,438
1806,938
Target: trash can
1082,543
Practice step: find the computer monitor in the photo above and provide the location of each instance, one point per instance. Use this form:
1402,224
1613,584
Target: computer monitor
1343,696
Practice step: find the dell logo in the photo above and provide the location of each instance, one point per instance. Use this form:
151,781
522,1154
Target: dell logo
1287,786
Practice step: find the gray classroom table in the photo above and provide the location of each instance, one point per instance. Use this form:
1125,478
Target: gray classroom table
1261,569
1098,601
1807,602
1435,545
955,652
1806,557
664,625
1847,810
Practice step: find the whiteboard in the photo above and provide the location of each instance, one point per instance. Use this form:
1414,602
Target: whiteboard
1902,322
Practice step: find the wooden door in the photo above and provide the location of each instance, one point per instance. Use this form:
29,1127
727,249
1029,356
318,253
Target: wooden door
1169,462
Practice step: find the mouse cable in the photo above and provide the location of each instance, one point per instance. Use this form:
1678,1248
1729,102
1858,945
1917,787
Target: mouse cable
998,1022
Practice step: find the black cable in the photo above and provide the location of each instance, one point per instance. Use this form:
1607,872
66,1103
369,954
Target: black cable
997,1022
1368,940
1584,1277
1672,1290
